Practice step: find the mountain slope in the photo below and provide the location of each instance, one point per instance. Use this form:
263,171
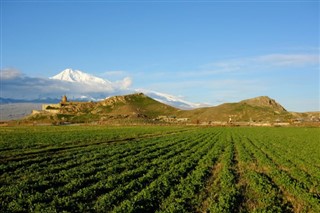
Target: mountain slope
135,104
171,99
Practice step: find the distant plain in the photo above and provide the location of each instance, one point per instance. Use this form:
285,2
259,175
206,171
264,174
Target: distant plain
17,110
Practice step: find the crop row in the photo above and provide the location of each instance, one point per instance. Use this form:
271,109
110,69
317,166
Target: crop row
293,184
57,183
161,170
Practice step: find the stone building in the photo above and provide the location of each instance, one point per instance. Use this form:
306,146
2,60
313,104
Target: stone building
55,108
64,99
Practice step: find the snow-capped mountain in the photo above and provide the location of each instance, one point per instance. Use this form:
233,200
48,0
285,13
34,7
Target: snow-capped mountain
84,83
171,100
79,85
79,77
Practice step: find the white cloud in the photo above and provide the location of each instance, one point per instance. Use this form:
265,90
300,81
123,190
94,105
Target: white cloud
288,59
123,84
9,73
239,66
114,73
215,91
17,86
262,62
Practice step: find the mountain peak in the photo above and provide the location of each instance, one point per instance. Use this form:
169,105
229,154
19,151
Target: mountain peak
264,101
78,76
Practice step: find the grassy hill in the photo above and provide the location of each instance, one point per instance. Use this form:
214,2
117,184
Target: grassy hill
134,107
248,110
141,108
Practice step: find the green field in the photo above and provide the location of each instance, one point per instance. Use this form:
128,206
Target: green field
159,169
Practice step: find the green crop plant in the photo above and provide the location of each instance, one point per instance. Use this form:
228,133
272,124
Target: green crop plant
159,169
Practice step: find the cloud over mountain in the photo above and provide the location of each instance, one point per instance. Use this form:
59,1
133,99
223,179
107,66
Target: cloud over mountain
10,73
77,85
73,83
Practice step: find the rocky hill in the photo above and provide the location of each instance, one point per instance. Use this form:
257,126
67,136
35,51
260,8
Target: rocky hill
256,109
264,102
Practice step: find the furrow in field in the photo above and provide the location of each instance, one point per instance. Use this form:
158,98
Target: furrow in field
291,188
259,192
308,182
301,162
187,192
239,172
199,170
150,198
83,179
204,195
105,189
224,195
131,189
76,156
84,172
34,151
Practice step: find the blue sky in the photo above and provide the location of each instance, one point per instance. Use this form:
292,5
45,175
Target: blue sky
207,51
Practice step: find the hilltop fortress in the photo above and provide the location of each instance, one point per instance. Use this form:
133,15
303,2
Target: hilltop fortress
64,106
55,108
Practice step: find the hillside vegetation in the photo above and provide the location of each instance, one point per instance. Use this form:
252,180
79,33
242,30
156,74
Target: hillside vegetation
256,109
127,108
139,108
134,105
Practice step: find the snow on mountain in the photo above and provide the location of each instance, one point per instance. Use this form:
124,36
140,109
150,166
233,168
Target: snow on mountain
171,100
79,77
101,87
